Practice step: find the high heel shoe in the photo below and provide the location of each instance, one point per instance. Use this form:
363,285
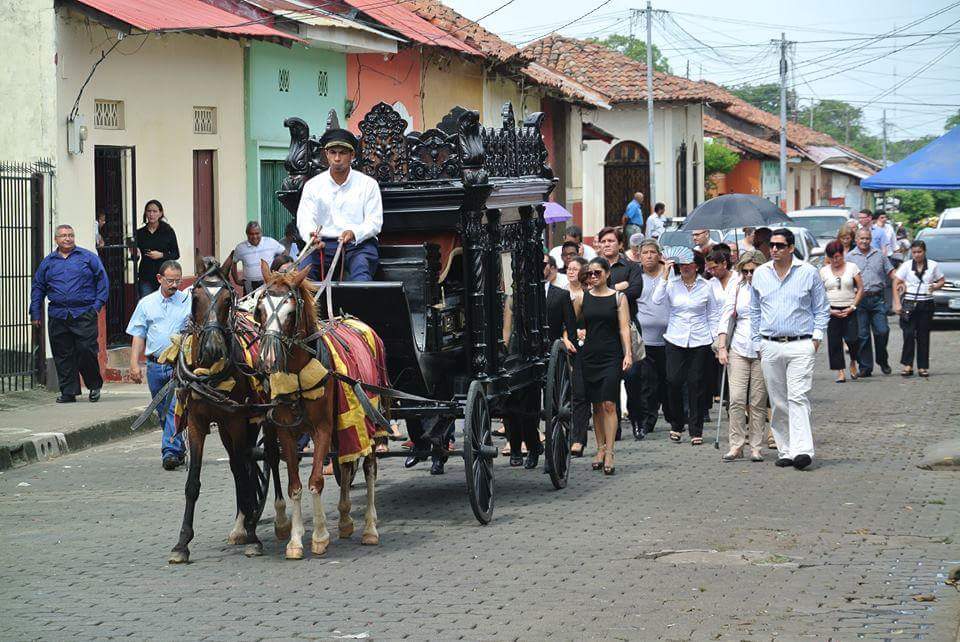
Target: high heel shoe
597,464
608,470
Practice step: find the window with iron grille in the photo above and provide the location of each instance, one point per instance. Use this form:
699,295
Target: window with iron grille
204,120
108,114
322,82
284,80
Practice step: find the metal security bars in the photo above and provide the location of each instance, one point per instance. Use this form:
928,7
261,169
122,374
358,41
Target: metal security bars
22,190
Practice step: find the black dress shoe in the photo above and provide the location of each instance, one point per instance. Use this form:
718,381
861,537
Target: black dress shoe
412,460
533,458
172,462
638,432
436,468
516,460
886,370
784,462
865,373
95,395
66,399
802,461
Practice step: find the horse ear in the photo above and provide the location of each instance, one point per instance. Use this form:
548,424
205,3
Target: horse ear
267,273
198,262
301,275
227,266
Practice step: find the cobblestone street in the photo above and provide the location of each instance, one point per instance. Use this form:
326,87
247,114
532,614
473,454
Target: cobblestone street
675,546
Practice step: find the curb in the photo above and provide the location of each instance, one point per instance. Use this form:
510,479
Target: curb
34,449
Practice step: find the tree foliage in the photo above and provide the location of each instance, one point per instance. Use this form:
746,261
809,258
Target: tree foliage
718,158
915,204
765,96
952,122
634,48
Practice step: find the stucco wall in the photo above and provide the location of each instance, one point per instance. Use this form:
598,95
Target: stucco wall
268,106
374,78
160,81
448,82
630,124
28,86
498,90
744,178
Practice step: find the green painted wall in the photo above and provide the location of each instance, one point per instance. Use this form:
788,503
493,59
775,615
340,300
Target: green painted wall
282,82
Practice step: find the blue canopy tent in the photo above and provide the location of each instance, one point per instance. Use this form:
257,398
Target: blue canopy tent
934,166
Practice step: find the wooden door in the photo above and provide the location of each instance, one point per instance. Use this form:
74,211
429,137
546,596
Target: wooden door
273,216
203,202
626,171
108,181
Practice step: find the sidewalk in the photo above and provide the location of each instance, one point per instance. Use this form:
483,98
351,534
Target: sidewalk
34,427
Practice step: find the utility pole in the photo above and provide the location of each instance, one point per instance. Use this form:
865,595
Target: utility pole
846,126
651,197
884,137
688,69
811,113
783,120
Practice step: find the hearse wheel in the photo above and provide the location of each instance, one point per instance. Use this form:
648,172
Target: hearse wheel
557,412
478,453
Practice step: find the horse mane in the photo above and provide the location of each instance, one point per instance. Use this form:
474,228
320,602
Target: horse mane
307,290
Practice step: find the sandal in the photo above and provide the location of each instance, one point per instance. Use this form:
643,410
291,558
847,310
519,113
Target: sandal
505,451
576,450
923,373
696,441
906,372
674,436
854,372
597,464
611,469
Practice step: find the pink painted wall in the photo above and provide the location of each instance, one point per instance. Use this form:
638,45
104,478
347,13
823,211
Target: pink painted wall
371,79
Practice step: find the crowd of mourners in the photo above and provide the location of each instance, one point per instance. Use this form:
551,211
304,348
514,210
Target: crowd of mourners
679,331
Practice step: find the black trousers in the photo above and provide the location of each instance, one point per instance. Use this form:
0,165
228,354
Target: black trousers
522,421
581,407
653,388
74,344
916,335
839,331
687,368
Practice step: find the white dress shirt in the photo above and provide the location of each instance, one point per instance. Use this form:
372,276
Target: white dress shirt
721,292
588,254
917,289
694,313
356,205
738,298
654,226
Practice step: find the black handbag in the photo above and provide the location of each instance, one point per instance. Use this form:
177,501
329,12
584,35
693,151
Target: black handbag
909,306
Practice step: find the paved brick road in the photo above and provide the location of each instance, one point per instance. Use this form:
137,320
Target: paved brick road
836,552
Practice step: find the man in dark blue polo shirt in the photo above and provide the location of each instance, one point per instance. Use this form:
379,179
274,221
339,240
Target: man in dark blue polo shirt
74,281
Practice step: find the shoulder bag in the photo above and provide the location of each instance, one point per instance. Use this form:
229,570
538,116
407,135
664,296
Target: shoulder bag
637,349
909,305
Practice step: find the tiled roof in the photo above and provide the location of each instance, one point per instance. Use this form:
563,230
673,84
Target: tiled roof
620,77
468,31
742,141
565,86
404,21
797,134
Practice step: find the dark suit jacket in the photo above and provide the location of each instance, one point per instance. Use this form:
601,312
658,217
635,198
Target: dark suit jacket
558,300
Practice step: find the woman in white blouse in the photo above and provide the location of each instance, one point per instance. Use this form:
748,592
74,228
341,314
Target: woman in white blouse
844,285
693,315
738,353
915,280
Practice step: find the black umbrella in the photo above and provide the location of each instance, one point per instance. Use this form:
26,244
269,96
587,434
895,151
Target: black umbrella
735,210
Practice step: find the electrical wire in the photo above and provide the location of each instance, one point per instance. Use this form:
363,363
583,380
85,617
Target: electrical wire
577,19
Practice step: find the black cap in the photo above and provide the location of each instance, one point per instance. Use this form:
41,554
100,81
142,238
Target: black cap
339,138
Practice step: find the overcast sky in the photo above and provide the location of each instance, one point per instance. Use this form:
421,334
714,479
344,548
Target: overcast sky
919,85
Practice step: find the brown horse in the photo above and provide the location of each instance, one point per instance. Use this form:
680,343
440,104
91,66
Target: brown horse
208,376
289,328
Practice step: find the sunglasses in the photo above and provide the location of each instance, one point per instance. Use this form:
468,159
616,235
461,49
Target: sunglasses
779,246
595,273
746,271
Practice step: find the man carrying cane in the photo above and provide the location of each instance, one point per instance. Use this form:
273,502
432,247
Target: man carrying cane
347,207
789,313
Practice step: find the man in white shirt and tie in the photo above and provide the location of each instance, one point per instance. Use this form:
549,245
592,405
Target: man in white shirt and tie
788,316
342,206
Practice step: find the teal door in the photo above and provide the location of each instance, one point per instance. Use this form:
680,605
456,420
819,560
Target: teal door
273,216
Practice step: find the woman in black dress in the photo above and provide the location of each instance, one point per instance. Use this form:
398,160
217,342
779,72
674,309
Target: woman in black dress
605,355
157,242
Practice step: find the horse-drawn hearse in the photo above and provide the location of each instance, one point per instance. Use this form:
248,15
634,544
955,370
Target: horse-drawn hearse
458,303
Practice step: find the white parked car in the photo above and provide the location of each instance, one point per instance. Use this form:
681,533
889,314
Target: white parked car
949,218
805,246
823,222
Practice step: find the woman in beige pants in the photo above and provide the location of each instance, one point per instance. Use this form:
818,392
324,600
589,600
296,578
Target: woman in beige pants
738,353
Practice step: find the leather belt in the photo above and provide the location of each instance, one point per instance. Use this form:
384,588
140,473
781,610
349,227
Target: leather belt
800,337
152,358
874,293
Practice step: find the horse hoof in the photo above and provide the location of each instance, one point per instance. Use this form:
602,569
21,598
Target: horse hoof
282,531
346,531
294,553
179,557
235,538
253,550
319,548
370,539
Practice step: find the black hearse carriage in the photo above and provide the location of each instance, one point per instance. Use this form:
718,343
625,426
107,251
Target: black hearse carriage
461,248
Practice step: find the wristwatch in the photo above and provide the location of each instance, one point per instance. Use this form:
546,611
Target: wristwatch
853,307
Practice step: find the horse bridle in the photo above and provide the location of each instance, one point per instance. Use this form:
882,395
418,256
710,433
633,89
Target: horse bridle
273,315
211,323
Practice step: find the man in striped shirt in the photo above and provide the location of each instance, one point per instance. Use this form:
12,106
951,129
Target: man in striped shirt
788,315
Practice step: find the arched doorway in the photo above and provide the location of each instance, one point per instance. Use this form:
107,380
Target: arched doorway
626,170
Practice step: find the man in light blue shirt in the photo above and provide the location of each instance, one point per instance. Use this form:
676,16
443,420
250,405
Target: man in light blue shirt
158,315
789,313
632,221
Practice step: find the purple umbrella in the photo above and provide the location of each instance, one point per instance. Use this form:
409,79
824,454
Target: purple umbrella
555,213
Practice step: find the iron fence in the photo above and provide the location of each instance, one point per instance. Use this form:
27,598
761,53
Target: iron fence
22,191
